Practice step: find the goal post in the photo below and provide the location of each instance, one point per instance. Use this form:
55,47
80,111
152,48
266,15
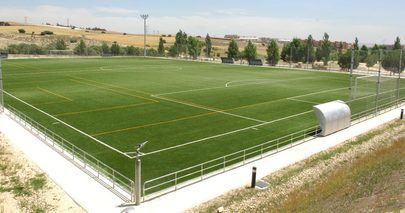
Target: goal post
372,91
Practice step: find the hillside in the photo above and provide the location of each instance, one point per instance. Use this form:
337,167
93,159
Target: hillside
10,35
365,174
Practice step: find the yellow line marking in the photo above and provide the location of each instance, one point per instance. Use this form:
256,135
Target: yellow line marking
152,124
195,116
113,90
112,85
55,94
52,102
102,109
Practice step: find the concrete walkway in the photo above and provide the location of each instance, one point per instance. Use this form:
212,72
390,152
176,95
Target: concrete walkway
95,198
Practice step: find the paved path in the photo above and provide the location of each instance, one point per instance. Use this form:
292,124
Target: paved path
95,198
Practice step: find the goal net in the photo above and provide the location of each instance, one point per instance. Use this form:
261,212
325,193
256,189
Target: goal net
373,91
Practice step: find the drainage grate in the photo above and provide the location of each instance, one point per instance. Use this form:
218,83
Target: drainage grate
261,184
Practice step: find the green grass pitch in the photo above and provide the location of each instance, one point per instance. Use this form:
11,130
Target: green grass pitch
189,112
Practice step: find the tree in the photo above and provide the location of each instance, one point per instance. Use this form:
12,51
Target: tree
161,48
391,61
208,46
181,42
397,44
115,48
310,50
371,60
340,48
375,48
363,53
345,59
131,50
173,51
105,49
60,45
194,47
250,51
326,49
273,55
233,50
81,48
356,44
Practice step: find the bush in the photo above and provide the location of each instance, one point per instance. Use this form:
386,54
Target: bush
390,61
345,59
23,48
2,23
21,30
73,40
46,32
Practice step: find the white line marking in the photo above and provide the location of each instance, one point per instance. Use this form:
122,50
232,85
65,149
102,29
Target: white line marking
314,93
230,82
309,102
223,134
222,87
209,109
72,127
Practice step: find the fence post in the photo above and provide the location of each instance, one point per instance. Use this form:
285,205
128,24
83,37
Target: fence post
175,181
202,171
399,77
137,182
224,162
351,77
1,89
378,84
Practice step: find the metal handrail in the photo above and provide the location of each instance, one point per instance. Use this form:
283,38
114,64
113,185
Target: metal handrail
223,160
274,147
78,156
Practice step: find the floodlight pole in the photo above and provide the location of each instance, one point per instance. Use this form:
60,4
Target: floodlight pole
144,17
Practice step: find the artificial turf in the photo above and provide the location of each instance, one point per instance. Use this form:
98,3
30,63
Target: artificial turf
214,109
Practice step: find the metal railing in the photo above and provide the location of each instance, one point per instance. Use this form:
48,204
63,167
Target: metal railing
123,186
190,175
179,179
113,180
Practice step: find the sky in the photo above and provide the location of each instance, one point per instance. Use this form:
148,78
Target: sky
371,21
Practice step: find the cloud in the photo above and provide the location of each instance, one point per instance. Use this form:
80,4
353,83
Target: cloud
217,22
115,10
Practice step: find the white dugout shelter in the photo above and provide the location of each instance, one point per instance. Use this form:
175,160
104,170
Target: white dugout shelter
333,116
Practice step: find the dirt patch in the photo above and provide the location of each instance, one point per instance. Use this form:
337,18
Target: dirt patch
24,188
289,187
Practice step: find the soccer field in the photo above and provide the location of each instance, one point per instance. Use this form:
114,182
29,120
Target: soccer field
189,112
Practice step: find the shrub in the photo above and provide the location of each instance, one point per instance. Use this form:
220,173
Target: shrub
2,23
46,32
21,30
73,40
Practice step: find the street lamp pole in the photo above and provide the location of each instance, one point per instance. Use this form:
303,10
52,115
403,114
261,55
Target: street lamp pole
144,17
